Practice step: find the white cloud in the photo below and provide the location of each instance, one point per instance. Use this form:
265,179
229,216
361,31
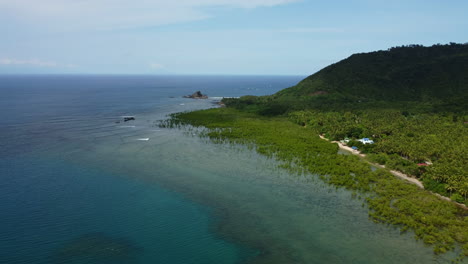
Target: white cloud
34,62
156,66
312,30
109,14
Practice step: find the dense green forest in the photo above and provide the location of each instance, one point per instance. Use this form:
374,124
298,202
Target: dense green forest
402,142
411,101
411,73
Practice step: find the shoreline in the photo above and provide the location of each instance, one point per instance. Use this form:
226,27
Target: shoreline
397,174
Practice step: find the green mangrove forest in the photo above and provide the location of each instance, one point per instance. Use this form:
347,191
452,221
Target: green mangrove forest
410,100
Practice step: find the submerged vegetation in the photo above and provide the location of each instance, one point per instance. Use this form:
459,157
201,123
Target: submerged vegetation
390,200
410,100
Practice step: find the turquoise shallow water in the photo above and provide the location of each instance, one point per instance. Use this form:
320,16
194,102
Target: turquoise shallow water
79,186
64,213
286,218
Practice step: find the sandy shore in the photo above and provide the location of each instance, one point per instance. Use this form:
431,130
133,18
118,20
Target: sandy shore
406,178
394,172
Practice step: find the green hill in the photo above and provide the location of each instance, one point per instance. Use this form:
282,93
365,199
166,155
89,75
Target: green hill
435,78
412,101
411,73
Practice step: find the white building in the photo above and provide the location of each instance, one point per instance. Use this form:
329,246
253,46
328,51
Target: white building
366,141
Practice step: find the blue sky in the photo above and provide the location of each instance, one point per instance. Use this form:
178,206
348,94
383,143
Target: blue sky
288,37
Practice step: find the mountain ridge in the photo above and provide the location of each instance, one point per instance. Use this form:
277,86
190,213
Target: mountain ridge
407,73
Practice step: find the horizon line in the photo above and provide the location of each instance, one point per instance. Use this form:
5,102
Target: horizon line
144,74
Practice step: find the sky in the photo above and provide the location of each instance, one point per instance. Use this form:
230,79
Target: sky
238,37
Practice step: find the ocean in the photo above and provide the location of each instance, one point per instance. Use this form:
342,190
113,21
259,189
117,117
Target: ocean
78,184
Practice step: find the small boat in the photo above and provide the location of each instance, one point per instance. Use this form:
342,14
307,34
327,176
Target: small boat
128,118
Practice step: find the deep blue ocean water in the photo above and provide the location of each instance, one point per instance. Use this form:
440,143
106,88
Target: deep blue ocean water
57,211
80,185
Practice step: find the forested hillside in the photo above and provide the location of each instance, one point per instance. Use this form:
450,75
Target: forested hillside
436,75
413,78
412,101
411,73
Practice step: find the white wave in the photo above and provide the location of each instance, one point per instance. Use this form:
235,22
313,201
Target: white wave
126,126
143,139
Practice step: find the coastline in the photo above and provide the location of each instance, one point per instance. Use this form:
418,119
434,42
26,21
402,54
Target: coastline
390,200
397,174
394,172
